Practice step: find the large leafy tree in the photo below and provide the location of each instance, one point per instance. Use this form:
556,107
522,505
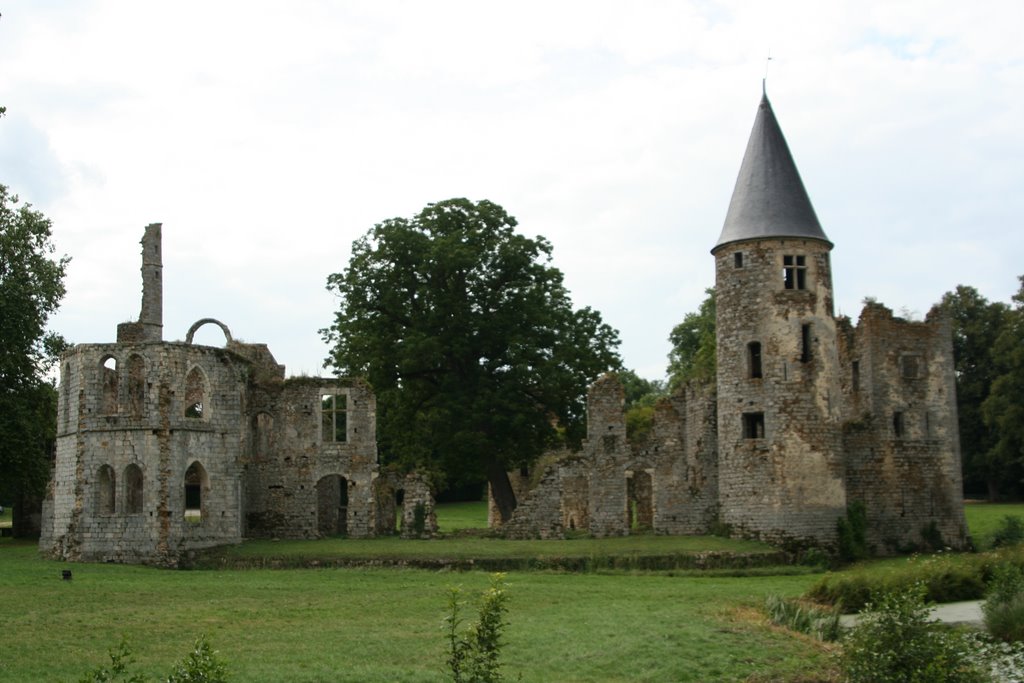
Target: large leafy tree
1003,410
31,287
468,336
693,345
977,323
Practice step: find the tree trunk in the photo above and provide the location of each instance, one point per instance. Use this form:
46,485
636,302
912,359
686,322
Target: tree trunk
993,489
501,490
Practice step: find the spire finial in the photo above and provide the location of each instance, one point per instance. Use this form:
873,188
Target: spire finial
764,81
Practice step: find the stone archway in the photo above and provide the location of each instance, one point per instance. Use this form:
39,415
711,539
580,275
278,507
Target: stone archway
208,321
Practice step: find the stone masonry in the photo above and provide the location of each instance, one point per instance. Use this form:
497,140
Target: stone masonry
807,414
168,447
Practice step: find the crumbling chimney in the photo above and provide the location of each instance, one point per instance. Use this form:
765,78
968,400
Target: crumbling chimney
150,326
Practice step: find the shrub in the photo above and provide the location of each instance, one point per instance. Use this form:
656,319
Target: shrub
821,623
894,641
120,659
1009,532
474,653
1004,603
199,666
852,533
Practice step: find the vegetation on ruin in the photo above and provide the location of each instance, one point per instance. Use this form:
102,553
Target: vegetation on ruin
693,345
469,338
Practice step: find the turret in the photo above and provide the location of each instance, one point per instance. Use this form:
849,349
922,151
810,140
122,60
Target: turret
150,325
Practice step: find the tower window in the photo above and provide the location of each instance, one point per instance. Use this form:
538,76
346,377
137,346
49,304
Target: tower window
753,425
805,343
754,359
898,426
856,375
334,414
794,271
737,259
910,367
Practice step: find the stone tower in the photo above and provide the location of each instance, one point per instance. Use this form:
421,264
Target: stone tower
781,472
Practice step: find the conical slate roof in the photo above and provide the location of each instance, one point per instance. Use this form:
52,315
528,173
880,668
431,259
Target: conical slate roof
769,199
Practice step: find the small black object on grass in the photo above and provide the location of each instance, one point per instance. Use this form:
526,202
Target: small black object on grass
65,574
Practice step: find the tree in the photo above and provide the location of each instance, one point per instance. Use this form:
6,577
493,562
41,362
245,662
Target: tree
1003,410
693,345
976,324
31,287
641,395
468,336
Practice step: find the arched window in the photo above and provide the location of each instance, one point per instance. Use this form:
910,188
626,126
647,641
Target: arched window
132,489
195,394
105,490
754,359
136,386
108,374
197,486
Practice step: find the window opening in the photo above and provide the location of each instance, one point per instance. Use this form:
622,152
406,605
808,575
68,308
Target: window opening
194,394
753,425
737,259
105,490
805,342
109,374
856,375
197,484
334,413
910,367
754,354
794,271
898,426
132,489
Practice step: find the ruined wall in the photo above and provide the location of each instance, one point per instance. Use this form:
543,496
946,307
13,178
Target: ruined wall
780,463
902,444
304,479
557,503
125,440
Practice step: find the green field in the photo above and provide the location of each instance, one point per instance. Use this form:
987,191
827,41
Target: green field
5,517
984,518
359,624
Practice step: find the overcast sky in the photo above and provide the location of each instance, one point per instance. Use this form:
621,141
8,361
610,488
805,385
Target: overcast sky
267,136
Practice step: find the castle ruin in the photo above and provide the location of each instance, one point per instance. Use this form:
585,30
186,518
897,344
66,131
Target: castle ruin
807,414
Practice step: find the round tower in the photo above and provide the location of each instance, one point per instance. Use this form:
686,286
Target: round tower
780,459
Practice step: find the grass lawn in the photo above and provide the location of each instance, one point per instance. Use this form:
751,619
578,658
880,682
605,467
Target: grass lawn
458,516
5,517
386,624
984,518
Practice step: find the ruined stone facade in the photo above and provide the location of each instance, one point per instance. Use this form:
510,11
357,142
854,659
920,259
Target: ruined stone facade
807,413
167,447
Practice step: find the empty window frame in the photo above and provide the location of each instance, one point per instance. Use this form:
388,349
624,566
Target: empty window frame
737,259
806,338
136,385
754,360
334,417
753,425
105,490
108,372
195,394
910,366
899,427
855,375
794,271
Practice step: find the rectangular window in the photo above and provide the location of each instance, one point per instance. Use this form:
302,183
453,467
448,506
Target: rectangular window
737,259
805,343
753,425
856,375
754,351
334,417
794,271
898,426
910,367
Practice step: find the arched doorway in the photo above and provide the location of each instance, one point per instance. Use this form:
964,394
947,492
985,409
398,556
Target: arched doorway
639,502
332,505
197,485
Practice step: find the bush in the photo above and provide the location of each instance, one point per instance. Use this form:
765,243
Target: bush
894,641
852,532
120,659
1009,532
821,623
199,666
1004,604
474,653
